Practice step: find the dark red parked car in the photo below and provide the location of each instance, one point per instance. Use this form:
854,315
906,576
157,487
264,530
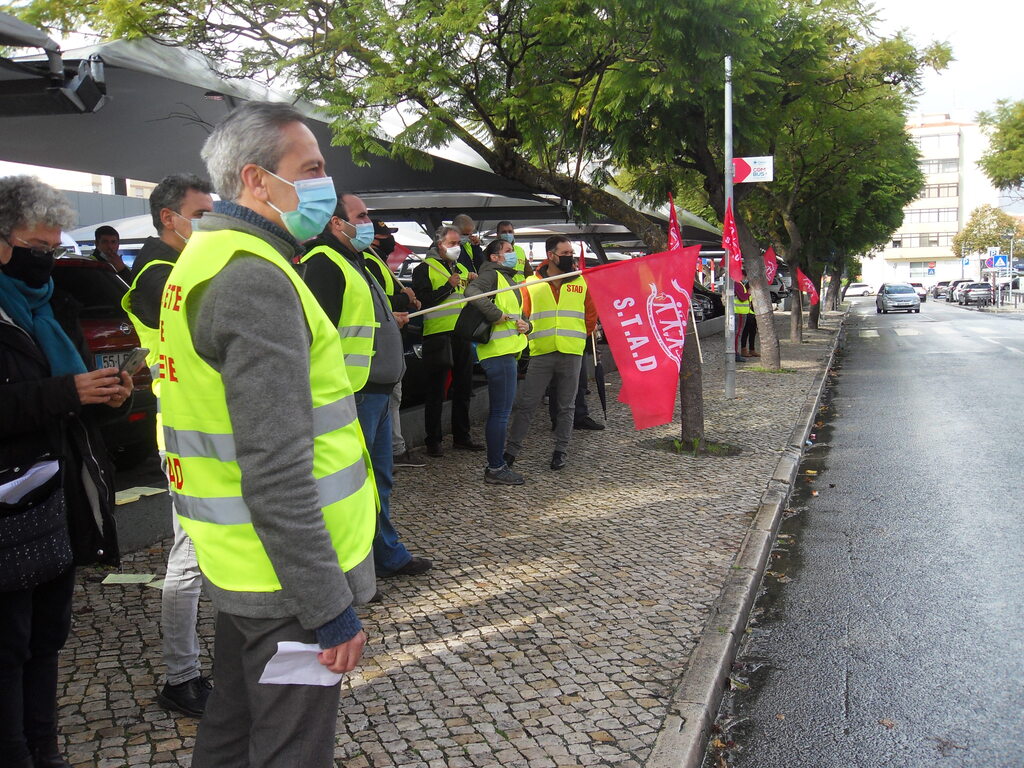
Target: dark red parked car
96,291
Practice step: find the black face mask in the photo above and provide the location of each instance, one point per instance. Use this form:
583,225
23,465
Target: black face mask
565,263
30,266
386,246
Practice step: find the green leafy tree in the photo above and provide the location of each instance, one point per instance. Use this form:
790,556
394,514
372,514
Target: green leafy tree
987,227
1003,163
520,82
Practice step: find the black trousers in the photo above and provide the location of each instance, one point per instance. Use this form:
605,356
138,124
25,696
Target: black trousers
749,332
444,353
34,624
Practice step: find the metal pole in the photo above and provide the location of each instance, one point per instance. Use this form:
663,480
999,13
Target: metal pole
727,292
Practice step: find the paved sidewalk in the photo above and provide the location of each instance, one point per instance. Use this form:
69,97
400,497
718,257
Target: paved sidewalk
556,622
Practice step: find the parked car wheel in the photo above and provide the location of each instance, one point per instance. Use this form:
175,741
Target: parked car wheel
917,311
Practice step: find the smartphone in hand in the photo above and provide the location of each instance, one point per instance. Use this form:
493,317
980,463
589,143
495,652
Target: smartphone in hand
135,360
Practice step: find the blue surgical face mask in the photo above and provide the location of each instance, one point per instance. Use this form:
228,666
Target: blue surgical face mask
508,237
317,201
363,237
510,259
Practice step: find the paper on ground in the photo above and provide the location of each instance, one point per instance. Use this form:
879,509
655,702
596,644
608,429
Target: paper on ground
296,664
128,578
128,495
158,584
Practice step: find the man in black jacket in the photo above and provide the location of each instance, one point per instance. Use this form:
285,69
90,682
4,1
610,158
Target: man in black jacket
348,233
175,202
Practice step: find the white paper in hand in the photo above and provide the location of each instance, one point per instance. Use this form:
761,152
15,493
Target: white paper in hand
296,664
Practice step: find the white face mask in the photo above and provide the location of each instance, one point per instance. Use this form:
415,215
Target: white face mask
452,253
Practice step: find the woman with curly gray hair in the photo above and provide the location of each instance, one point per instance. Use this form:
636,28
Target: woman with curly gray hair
56,483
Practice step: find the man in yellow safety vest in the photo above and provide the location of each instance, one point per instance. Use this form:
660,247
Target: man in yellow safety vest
523,268
174,204
563,316
267,465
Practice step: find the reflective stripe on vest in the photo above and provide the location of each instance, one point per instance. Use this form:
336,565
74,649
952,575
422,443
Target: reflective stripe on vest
505,339
740,307
205,478
558,326
520,274
150,339
356,325
390,285
443,320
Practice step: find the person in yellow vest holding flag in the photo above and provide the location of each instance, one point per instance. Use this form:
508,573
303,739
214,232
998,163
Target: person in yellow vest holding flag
174,204
335,270
523,269
267,465
562,315
499,356
440,279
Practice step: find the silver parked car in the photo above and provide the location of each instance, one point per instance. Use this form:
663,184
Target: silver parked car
894,297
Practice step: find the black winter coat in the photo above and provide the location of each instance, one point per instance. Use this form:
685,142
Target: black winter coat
42,418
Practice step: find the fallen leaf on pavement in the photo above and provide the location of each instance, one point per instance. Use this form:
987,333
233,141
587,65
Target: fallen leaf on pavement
780,716
887,723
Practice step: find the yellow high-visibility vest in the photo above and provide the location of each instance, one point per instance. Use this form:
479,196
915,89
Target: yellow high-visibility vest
443,320
505,338
205,478
356,325
558,326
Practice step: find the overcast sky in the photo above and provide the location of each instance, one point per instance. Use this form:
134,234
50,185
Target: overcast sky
985,36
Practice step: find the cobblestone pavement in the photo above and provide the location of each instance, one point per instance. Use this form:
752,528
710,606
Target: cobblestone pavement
551,630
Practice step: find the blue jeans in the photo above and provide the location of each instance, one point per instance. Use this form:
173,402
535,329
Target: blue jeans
389,554
501,391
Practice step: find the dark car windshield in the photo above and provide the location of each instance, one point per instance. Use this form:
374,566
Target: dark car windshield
99,291
898,289
978,285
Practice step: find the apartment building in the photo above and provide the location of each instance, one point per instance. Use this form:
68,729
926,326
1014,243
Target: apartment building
921,250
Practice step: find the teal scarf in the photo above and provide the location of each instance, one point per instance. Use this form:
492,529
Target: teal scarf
30,309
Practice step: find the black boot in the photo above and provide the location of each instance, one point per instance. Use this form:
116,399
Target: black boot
48,756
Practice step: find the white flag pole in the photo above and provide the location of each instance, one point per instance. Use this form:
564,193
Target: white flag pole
516,287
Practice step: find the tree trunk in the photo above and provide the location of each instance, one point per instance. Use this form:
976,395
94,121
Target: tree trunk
691,392
753,263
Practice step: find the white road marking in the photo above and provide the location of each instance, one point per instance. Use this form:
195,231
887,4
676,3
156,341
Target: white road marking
869,334
991,341
944,330
907,331
1014,349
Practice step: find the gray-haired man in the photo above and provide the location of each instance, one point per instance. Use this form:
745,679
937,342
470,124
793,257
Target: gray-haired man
264,451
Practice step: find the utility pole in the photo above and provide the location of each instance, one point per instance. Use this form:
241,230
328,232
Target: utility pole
727,291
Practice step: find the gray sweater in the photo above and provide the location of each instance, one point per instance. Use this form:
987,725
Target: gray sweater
248,323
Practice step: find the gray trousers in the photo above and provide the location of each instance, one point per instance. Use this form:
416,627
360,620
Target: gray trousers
248,725
564,372
179,607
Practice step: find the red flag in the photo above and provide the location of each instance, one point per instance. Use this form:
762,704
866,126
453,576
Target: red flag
398,256
771,264
583,258
644,306
731,244
675,237
806,286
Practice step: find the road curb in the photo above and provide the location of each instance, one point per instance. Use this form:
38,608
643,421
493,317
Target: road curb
694,705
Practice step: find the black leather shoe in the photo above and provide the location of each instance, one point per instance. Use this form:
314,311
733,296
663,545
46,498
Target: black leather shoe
47,756
189,697
414,567
377,597
434,450
467,445
509,459
587,423
557,460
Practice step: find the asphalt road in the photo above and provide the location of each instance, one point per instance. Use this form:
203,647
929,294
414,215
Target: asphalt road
891,632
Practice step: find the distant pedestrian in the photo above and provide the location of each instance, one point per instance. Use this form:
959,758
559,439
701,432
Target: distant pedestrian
108,244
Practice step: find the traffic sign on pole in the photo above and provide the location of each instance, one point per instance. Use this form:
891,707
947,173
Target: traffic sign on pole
748,169
967,261
999,260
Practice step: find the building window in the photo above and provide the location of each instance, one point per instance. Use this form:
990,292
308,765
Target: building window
919,269
923,240
946,165
941,190
946,142
929,215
